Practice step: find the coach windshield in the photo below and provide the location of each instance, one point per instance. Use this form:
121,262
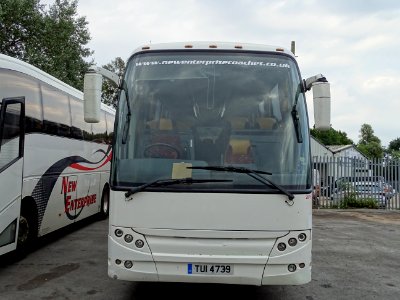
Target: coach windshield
180,109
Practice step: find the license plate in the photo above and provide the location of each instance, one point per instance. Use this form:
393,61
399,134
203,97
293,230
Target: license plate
210,269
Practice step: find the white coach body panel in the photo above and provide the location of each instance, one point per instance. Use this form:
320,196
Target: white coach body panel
55,169
11,183
204,211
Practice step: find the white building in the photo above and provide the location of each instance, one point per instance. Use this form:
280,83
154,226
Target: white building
337,161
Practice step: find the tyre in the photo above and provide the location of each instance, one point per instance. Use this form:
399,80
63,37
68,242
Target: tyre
105,204
27,229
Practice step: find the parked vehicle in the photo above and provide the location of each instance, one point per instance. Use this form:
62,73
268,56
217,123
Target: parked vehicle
316,187
374,179
54,167
363,190
207,185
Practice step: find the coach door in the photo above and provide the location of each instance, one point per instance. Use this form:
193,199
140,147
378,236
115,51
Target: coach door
11,164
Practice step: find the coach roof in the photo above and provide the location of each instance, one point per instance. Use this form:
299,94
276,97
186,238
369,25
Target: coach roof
212,46
14,64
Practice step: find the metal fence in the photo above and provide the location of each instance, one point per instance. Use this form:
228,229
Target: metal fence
344,182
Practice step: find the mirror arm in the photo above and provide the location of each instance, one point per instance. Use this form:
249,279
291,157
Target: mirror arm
310,81
105,73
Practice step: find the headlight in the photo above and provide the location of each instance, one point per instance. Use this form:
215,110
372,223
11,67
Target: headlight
292,268
128,238
302,237
118,232
128,264
139,243
281,246
292,242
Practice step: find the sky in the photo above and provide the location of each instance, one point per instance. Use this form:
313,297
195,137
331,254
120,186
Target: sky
354,43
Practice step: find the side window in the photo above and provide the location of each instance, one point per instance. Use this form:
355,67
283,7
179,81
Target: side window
110,127
15,84
56,113
80,129
10,130
99,130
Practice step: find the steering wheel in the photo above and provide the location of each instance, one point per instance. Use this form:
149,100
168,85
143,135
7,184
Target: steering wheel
161,150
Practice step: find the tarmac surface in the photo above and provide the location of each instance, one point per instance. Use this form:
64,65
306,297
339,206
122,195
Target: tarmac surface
356,255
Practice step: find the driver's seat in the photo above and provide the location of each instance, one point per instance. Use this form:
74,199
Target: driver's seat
163,135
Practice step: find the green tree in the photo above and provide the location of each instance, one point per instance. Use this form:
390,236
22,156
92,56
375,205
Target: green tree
369,144
394,145
110,91
331,137
371,150
367,135
394,148
21,24
53,40
66,35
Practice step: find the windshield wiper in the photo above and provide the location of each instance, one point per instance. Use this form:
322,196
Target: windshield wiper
252,173
165,182
230,169
295,115
125,130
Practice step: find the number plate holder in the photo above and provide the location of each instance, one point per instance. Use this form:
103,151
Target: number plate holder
210,269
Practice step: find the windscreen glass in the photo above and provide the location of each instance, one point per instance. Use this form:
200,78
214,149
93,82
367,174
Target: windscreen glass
202,109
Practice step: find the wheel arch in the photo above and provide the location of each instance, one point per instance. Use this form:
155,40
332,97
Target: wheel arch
28,216
105,209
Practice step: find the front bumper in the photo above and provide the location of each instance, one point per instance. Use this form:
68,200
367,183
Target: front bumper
255,260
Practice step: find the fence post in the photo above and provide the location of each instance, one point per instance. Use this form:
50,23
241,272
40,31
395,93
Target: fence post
355,170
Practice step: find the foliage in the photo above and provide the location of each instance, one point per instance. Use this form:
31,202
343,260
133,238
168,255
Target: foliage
331,137
64,43
394,148
367,135
53,40
371,150
110,91
351,199
394,145
369,144
20,24
395,155
353,202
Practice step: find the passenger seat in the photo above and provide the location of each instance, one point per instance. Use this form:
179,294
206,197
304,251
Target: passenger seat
239,152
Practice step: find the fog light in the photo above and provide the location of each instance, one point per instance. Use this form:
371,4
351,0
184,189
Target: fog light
118,261
302,265
139,243
281,246
128,264
292,242
118,232
292,268
128,238
302,237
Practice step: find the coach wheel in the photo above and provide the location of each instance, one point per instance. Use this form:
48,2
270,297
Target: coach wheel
28,229
105,204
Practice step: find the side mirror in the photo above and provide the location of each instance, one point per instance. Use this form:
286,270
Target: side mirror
92,97
322,105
